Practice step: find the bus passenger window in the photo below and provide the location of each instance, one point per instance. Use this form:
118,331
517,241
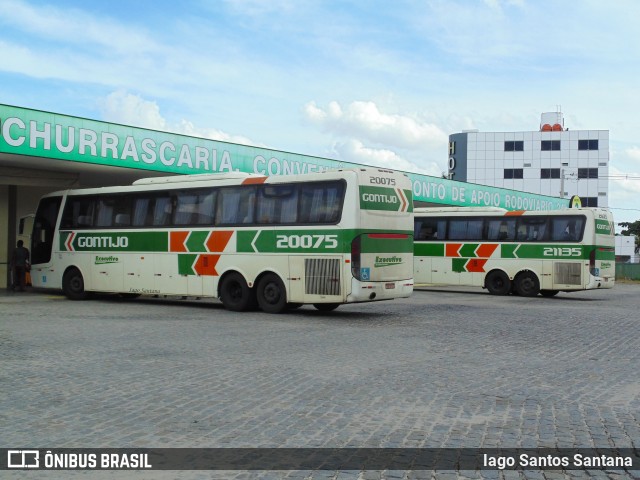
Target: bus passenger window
235,206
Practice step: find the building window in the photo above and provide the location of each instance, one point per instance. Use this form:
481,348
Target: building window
587,173
587,144
513,173
589,201
549,173
548,145
514,146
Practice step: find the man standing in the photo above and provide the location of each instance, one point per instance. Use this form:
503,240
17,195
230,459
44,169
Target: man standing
19,265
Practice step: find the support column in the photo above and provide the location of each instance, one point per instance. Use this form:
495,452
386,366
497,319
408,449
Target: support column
8,234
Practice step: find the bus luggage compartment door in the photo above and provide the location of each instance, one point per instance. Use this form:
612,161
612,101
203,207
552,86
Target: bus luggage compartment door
316,279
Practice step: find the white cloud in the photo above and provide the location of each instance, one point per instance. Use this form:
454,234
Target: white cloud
188,128
354,151
364,120
74,26
129,109
633,153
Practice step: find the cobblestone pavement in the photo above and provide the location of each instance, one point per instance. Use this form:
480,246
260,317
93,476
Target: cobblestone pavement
445,368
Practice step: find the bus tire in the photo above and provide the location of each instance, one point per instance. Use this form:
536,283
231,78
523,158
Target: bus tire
73,285
527,284
326,307
497,283
271,293
235,294
549,293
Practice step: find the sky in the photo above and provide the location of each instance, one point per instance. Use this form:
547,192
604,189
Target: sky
374,82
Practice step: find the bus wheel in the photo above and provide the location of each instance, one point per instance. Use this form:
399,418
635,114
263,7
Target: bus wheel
527,284
326,307
235,294
498,283
549,293
272,295
73,285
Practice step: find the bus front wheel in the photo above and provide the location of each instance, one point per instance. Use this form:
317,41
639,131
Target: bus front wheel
73,285
235,294
527,284
498,283
272,295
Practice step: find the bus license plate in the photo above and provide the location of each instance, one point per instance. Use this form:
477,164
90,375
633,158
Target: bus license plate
389,286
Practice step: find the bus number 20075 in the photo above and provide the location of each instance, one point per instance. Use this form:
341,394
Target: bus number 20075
306,241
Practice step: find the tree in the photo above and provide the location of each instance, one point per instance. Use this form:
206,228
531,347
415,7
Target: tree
631,228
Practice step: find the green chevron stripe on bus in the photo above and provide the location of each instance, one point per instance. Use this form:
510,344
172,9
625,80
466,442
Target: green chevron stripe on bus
386,199
428,249
468,250
195,242
458,264
114,242
185,263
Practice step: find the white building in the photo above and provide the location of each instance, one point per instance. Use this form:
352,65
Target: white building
552,160
626,249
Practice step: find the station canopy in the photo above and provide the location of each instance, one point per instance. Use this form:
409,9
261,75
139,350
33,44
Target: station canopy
61,146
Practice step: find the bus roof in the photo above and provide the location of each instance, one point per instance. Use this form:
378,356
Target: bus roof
203,177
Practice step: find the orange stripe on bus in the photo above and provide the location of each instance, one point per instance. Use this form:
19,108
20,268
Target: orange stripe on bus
486,250
452,249
176,241
514,213
218,240
254,180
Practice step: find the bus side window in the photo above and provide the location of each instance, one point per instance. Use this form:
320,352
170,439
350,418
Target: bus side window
567,229
78,212
162,211
501,229
427,229
277,204
235,205
532,229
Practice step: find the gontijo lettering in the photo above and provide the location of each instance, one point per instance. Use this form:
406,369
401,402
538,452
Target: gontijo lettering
103,242
380,198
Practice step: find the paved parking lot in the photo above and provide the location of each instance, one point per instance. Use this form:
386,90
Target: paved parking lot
445,368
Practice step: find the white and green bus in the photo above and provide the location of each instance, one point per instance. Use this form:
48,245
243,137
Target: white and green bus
522,252
276,242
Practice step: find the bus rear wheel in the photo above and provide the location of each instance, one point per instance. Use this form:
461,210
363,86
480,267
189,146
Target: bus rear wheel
235,294
527,284
498,283
73,285
271,293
